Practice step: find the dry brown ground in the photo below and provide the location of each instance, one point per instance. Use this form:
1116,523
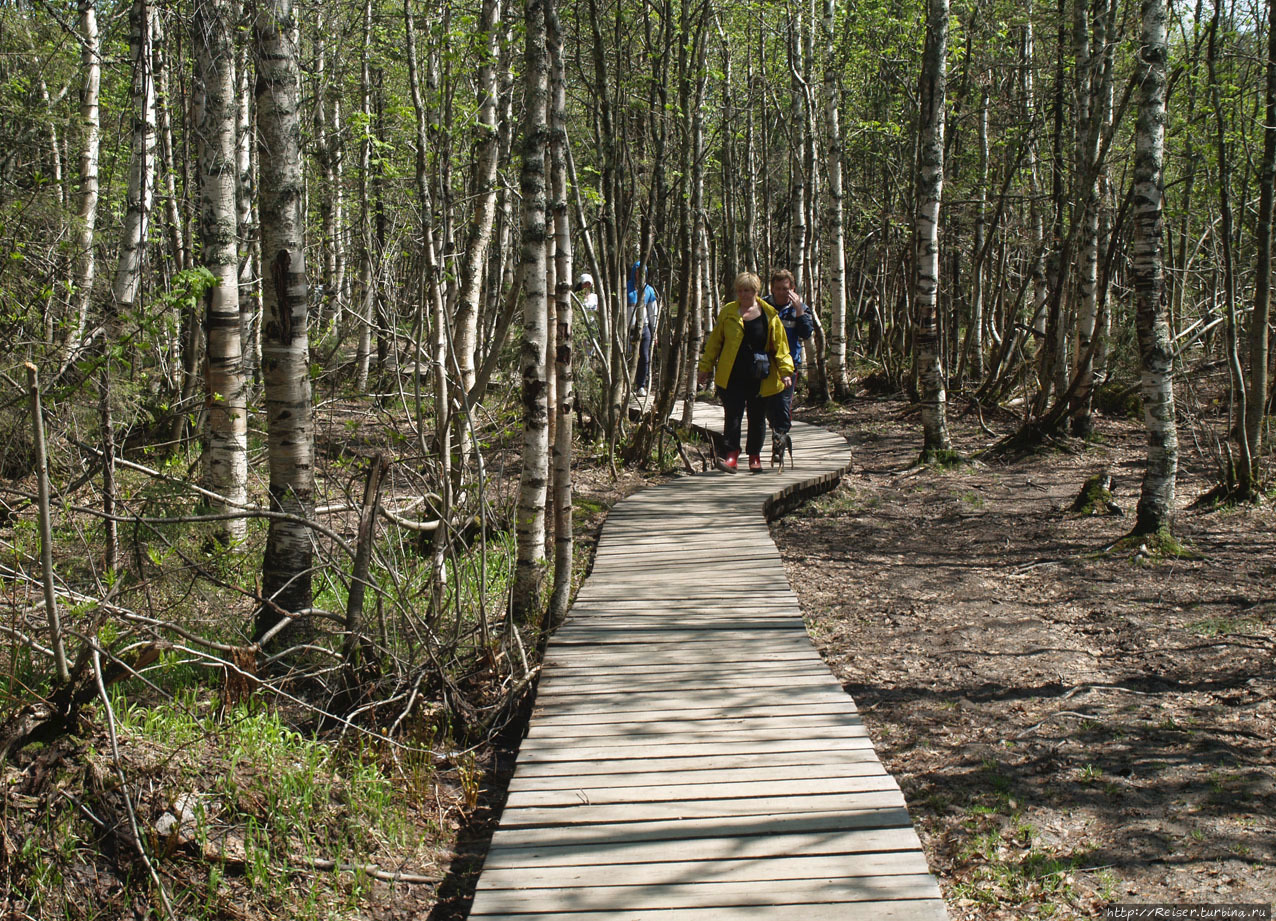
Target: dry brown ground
1070,727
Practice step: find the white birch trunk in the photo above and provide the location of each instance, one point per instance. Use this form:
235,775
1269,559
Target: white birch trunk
930,187
91,131
164,123
367,273
285,352
128,271
484,215
245,192
1089,111
1156,353
141,185
835,328
529,570
227,417
563,357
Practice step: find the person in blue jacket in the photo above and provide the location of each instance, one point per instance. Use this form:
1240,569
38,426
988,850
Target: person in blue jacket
642,322
798,325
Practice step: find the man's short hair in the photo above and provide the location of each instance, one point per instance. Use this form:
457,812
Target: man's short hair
783,275
748,280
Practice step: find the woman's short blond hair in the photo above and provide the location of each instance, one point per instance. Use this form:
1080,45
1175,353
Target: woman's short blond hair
747,280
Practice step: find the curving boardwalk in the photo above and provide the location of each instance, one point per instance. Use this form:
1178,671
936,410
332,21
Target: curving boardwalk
690,755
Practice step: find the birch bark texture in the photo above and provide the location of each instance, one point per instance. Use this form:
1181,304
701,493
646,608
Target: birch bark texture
285,351
139,200
1156,352
529,522
836,232
563,357
91,132
930,189
226,402
479,238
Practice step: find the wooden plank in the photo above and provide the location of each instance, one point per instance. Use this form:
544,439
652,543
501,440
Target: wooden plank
696,895
589,814
603,791
641,728
644,750
810,674
898,910
657,764
734,870
604,715
591,836
720,628
652,649
641,655
755,848
706,742
587,670
722,698
708,779
618,685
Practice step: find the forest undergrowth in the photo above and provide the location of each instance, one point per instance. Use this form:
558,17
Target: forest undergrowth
209,789
1075,719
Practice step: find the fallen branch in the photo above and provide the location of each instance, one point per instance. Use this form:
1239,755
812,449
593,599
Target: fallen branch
368,869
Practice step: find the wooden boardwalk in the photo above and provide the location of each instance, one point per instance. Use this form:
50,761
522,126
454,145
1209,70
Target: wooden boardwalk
690,755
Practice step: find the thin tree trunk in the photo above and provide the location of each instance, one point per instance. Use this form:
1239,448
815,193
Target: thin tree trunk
367,270
563,536
529,570
128,272
1156,349
973,349
226,405
431,294
1089,119
1236,474
286,576
46,523
1257,394
836,234
90,126
484,215
250,245
930,185
172,218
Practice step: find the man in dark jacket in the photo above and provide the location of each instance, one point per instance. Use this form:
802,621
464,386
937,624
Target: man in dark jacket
796,317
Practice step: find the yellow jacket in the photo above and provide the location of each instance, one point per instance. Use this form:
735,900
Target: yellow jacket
724,342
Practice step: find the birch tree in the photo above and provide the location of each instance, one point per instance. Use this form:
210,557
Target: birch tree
128,272
1156,349
836,232
485,189
562,454
219,221
529,570
91,139
1257,395
285,351
930,187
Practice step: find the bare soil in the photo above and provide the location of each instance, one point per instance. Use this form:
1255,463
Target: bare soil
1072,726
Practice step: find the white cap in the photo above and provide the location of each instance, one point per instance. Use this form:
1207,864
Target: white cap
586,278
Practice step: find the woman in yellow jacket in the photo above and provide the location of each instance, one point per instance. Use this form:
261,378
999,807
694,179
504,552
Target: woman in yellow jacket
749,346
